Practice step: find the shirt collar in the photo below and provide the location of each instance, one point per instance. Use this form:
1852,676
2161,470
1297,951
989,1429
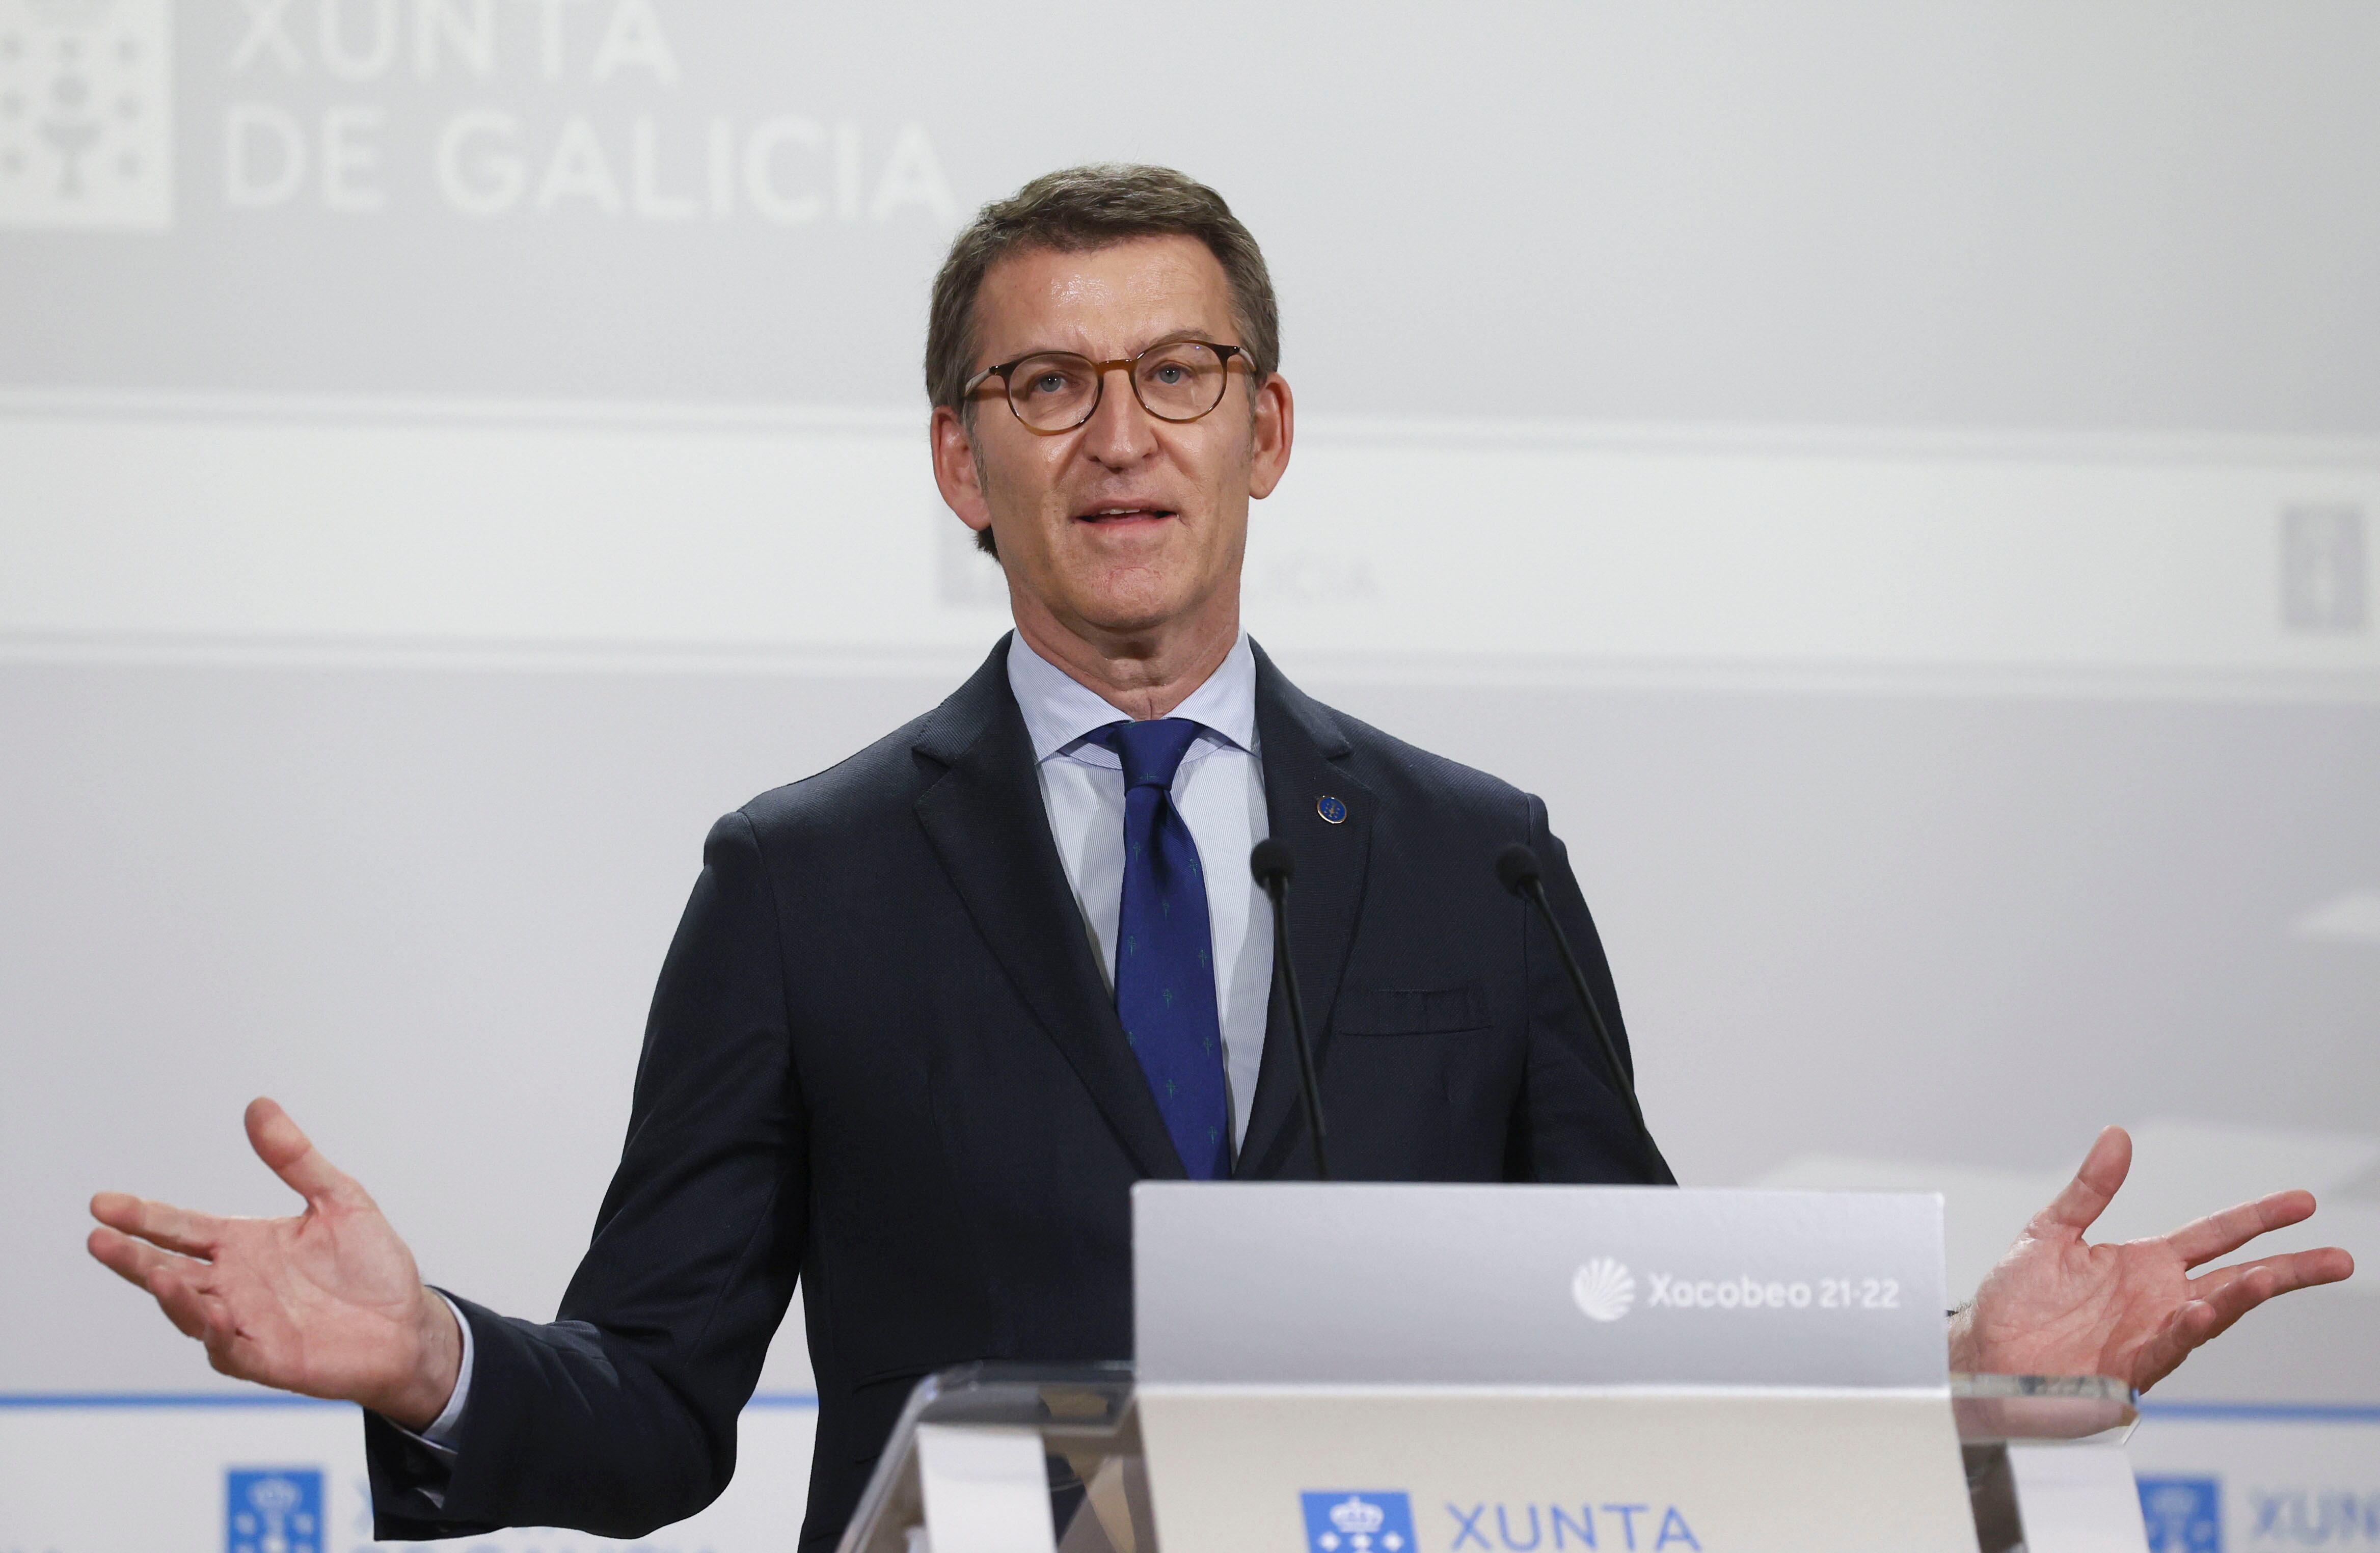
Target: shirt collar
1060,711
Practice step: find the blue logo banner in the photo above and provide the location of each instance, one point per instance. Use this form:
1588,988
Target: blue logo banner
2183,1514
273,1510
1351,1521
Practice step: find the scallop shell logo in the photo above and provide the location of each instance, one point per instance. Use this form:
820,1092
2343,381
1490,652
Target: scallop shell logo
1604,1290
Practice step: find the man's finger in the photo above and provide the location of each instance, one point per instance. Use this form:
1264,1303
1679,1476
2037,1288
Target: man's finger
280,1144
173,1281
187,1304
2298,1270
2188,1327
2220,1234
2221,1297
2094,1183
176,1228
126,1257
2236,1297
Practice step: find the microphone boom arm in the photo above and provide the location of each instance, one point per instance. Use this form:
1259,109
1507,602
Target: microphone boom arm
1516,867
1269,862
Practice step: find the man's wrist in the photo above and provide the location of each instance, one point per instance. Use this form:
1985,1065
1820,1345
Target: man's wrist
421,1395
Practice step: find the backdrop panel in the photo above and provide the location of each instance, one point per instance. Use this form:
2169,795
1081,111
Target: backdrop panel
1897,480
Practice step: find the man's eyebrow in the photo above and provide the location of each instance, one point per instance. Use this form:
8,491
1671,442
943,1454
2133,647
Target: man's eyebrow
1171,337
1204,336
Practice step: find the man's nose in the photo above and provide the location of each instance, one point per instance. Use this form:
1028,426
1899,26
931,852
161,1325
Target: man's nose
1119,433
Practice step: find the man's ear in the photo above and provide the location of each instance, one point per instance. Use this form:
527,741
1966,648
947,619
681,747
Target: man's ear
1276,428
956,473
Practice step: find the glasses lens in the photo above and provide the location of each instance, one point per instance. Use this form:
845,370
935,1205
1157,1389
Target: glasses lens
1053,392
1180,382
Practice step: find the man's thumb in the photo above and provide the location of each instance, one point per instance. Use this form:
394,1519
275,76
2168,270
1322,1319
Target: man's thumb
280,1143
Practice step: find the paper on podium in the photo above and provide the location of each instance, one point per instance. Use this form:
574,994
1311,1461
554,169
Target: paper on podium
2078,1500
987,1490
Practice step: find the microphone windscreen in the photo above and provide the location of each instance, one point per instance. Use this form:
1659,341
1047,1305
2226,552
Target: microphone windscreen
1269,861
1516,868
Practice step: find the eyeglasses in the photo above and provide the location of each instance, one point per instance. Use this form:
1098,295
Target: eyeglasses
1054,391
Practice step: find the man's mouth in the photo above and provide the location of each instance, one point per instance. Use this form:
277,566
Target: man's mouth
1122,515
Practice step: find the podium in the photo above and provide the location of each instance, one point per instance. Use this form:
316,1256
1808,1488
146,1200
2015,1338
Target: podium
1517,1369
2041,1454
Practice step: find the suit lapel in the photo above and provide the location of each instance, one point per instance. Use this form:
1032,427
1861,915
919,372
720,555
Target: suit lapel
1305,774
986,820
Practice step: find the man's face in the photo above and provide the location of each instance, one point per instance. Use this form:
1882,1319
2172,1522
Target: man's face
1126,526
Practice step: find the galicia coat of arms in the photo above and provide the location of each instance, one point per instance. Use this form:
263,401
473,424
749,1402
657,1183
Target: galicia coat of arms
86,114
2182,1515
273,1510
1369,1520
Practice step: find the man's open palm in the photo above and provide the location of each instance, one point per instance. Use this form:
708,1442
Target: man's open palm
327,1301
2056,1306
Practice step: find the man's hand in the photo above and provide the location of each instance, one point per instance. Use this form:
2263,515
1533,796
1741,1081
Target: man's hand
2057,1306
328,1302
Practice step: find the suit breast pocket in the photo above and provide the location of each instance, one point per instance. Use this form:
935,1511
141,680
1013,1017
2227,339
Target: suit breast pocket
1410,1010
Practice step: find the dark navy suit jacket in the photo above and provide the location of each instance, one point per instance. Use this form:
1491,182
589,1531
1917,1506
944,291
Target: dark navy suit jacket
882,1060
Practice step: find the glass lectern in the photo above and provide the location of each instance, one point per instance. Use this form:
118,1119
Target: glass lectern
1089,1438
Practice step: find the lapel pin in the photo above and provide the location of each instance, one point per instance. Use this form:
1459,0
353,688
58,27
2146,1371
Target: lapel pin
1331,810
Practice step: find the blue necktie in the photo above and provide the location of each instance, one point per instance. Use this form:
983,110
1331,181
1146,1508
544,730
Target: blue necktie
1164,962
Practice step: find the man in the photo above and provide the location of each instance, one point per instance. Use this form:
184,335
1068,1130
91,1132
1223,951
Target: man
932,1012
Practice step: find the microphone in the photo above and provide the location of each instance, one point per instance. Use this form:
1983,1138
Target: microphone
1517,871
1269,862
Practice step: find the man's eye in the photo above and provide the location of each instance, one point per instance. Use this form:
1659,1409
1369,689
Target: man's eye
1049,382
1171,373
